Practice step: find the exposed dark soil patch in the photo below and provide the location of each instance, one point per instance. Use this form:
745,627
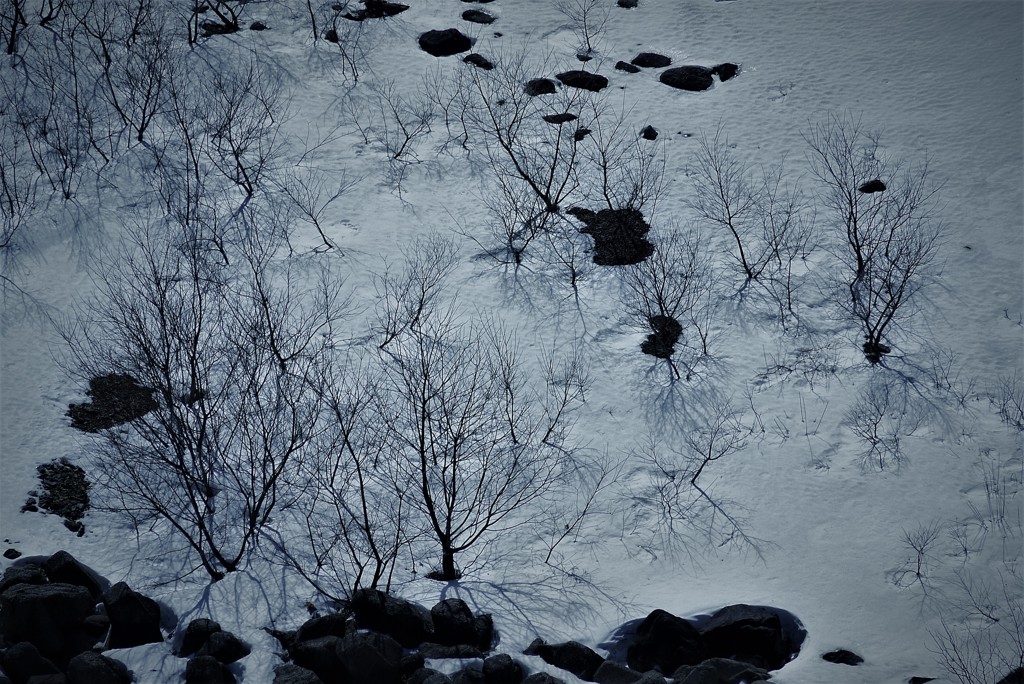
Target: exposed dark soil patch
116,398
64,489
375,9
661,343
619,235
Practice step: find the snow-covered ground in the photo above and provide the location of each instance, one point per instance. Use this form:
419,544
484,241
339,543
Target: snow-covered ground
941,79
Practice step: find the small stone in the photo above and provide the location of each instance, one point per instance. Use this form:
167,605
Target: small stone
258,26
11,554
841,656
649,133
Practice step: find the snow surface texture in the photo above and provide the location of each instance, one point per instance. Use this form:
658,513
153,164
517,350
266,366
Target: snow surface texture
941,79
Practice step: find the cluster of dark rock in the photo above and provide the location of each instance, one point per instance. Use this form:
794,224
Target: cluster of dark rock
56,616
386,639
692,77
619,235
115,398
63,490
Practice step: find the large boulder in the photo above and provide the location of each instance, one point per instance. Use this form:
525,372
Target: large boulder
719,671
585,80
442,43
611,672
48,615
196,634
319,655
409,623
751,634
23,660
691,77
454,622
332,624
225,647
95,668
476,16
542,678
664,642
62,567
369,657
22,574
502,669
293,674
134,618
207,670
571,656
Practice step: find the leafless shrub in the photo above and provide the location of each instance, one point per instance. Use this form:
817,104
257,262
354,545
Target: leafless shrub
878,416
675,283
920,543
986,641
879,206
588,19
234,358
1009,400
622,170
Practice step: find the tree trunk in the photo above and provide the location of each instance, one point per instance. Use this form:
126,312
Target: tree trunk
448,570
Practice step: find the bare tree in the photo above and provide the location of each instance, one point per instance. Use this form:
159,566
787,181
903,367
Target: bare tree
880,207
589,19
671,289
233,358
482,446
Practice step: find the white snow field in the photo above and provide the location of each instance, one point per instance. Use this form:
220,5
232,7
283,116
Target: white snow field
814,527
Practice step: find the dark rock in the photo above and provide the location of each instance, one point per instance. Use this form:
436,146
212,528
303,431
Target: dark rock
539,86
75,526
225,647
559,119
584,57
570,656
581,133
468,675
369,657
49,616
22,574
409,623
664,642
23,660
651,60
425,674
483,625
65,489
196,634
691,77
1015,677
94,668
661,343
628,4
134,618
478,16
96,626
11,554
920,680
841,656
442,43
207,670
719,671
437,651
375,9
751,634
585,80
479,2
619,235
62,567
725,70
293,674
116,398
319,655
543,677
30,507
258,26
454,622
872,186
649,133
411,662
59,678
502,669
611,672
332,624
627,67
331,36
479,61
